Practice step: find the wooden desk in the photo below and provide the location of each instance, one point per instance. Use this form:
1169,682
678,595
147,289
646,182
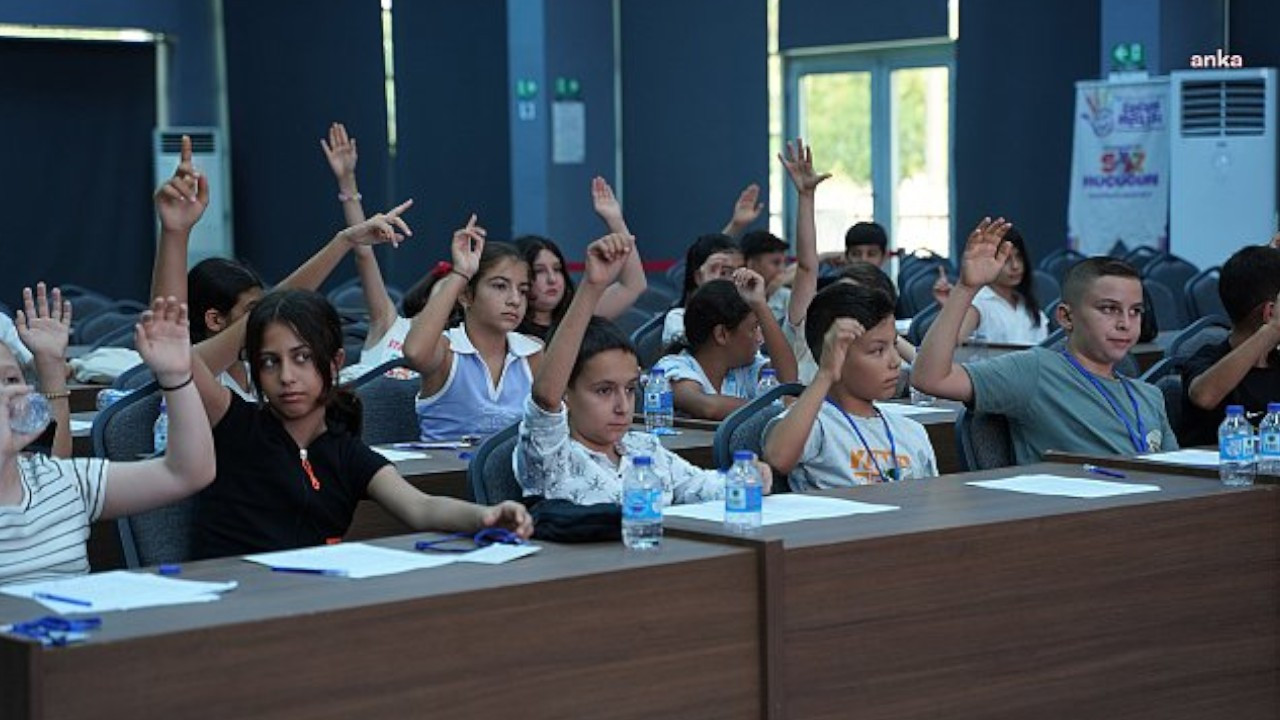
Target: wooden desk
1128,463
445,473
84,396
574,631
975,603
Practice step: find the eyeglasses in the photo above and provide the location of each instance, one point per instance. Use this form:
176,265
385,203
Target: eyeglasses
466,542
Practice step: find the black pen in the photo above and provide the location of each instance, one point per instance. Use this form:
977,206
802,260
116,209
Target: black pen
330,572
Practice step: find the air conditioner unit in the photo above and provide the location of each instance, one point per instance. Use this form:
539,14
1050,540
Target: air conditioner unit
212,235
1222,162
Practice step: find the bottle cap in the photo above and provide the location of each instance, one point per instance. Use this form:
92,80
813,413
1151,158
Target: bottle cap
1273,407
1235,409
657,372
642,461
768,372
743,456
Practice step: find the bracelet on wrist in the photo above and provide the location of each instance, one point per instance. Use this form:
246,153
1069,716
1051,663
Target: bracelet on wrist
344,197
460,274
57,394
179,386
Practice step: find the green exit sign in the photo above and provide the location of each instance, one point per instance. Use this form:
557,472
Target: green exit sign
1128,56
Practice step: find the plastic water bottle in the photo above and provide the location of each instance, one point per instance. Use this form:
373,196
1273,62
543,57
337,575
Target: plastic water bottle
1269,441
659,405
160,431
29,414
108,397
641,506
1235,448
768,381
743,494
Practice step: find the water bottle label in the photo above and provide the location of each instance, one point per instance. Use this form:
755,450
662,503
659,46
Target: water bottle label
667,402
1234,448
735,499
652,401
1270,443
730,385
642,504
754,499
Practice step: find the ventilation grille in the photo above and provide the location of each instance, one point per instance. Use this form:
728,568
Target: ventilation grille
1213,108
202,143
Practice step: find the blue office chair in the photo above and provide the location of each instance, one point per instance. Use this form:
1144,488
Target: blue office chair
983,440
491,475
744,429
387,404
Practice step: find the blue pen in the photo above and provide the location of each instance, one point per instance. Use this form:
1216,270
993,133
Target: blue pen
329,572
62,599
1103,471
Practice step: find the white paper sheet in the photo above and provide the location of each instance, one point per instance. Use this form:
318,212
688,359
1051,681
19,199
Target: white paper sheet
116,590
79,427
785,508
1199,458
909,410
497,554
1060,486
354,560
399,455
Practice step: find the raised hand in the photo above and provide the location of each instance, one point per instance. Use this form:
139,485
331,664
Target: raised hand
942,286
604,202
381,228
605,259
340,151
985,253
748,206
1275,240
44,327
182,199
835,345
468,243
162,337
750,286
510,515
799,164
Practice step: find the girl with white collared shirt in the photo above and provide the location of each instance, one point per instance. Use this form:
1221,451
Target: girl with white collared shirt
475,377
576,441
1007,311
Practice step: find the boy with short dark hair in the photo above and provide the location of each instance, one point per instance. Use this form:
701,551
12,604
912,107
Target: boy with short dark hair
766,254
1244,369
834,435
1070,399
866,242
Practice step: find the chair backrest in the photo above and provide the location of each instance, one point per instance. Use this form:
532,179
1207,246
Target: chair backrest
491,474
631,320
1167,307
1055,339
387,404
103,324
1174,272
744,427
1164,366
1202,293
917,293
983,440
1058,262
1051,311
1045,286
1209,330
84,307
1171,388
657,298
123,432
121,337
133,378
1142,256
675,274
648,341
348,299
921,323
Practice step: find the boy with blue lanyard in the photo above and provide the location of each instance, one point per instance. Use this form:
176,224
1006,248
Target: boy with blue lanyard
1067,399
835,435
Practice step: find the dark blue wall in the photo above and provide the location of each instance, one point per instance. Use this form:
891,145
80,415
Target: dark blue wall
695,116
451,97
1015,97
815,23
193,80
283,95
580,45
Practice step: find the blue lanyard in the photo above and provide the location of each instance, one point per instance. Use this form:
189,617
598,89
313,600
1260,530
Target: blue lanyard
893,448
1138,438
